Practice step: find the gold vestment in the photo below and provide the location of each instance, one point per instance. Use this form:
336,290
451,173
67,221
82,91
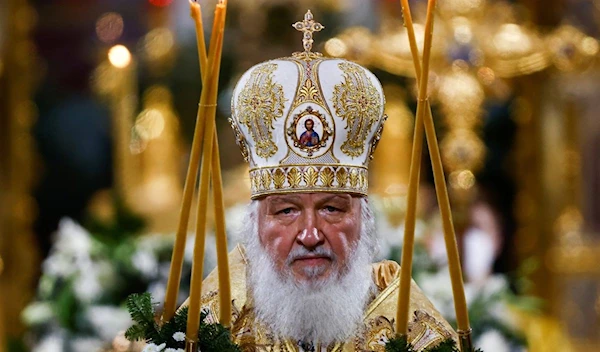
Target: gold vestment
426,329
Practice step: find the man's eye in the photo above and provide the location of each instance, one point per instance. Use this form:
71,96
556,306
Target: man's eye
331,209
285,211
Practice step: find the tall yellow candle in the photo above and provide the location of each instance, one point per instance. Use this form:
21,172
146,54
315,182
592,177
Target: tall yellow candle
196,13
220,229
221,238
208,106
413,187
440,184
190,183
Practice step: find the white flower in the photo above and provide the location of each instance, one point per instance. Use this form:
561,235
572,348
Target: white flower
146,263
87,286
179,336
158,290
153,348
59,265
71,238
107,321
37,313
494,285
492,340
51,343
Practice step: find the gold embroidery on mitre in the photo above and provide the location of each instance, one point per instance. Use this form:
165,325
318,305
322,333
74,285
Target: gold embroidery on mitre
308,91
309,88
377,137
309,178
278,179
342,177
357,101
260,103
294,177
327,177
240,140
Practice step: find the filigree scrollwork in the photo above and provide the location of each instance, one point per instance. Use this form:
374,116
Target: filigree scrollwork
357,101
260,103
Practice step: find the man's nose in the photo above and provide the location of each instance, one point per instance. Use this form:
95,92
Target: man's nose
310,237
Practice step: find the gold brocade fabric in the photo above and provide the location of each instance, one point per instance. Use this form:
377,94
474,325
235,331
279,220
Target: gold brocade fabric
426,329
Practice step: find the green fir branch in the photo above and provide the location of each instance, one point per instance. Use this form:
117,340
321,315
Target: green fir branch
140,308
401,344
211,337
448,345
135,332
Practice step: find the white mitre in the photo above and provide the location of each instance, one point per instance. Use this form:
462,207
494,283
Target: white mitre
272,103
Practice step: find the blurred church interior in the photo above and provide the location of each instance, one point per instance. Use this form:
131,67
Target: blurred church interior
98,103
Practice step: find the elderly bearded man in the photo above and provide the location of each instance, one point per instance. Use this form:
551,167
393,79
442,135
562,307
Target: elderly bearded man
304,280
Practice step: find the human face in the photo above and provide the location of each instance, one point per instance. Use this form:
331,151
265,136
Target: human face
309,125
309,235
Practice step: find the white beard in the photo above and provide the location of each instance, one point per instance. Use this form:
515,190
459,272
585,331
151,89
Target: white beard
324,312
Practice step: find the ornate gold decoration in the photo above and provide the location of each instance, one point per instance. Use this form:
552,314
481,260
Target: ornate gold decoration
377,137
265,181
308,27
308,91
426,330
327,177
292,131
278,178
381,330
260,103
357,102
306,136
294,177
313,178
239,139
342,177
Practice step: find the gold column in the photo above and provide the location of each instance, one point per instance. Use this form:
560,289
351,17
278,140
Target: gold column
529,209
17,207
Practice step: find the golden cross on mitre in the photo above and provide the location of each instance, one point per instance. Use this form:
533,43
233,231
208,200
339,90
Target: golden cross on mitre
308,27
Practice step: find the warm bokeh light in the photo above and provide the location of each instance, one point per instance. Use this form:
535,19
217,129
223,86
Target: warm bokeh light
463,179
462,30
336,47
158,43
119,56
109,27
486,75
512,40
150,124
590,46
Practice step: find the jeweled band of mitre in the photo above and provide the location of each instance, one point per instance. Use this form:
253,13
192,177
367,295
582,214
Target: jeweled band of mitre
306,123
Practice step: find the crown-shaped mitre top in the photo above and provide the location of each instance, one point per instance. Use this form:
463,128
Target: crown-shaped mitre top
306,123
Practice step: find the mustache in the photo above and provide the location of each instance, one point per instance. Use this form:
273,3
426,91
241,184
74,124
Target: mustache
301,251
